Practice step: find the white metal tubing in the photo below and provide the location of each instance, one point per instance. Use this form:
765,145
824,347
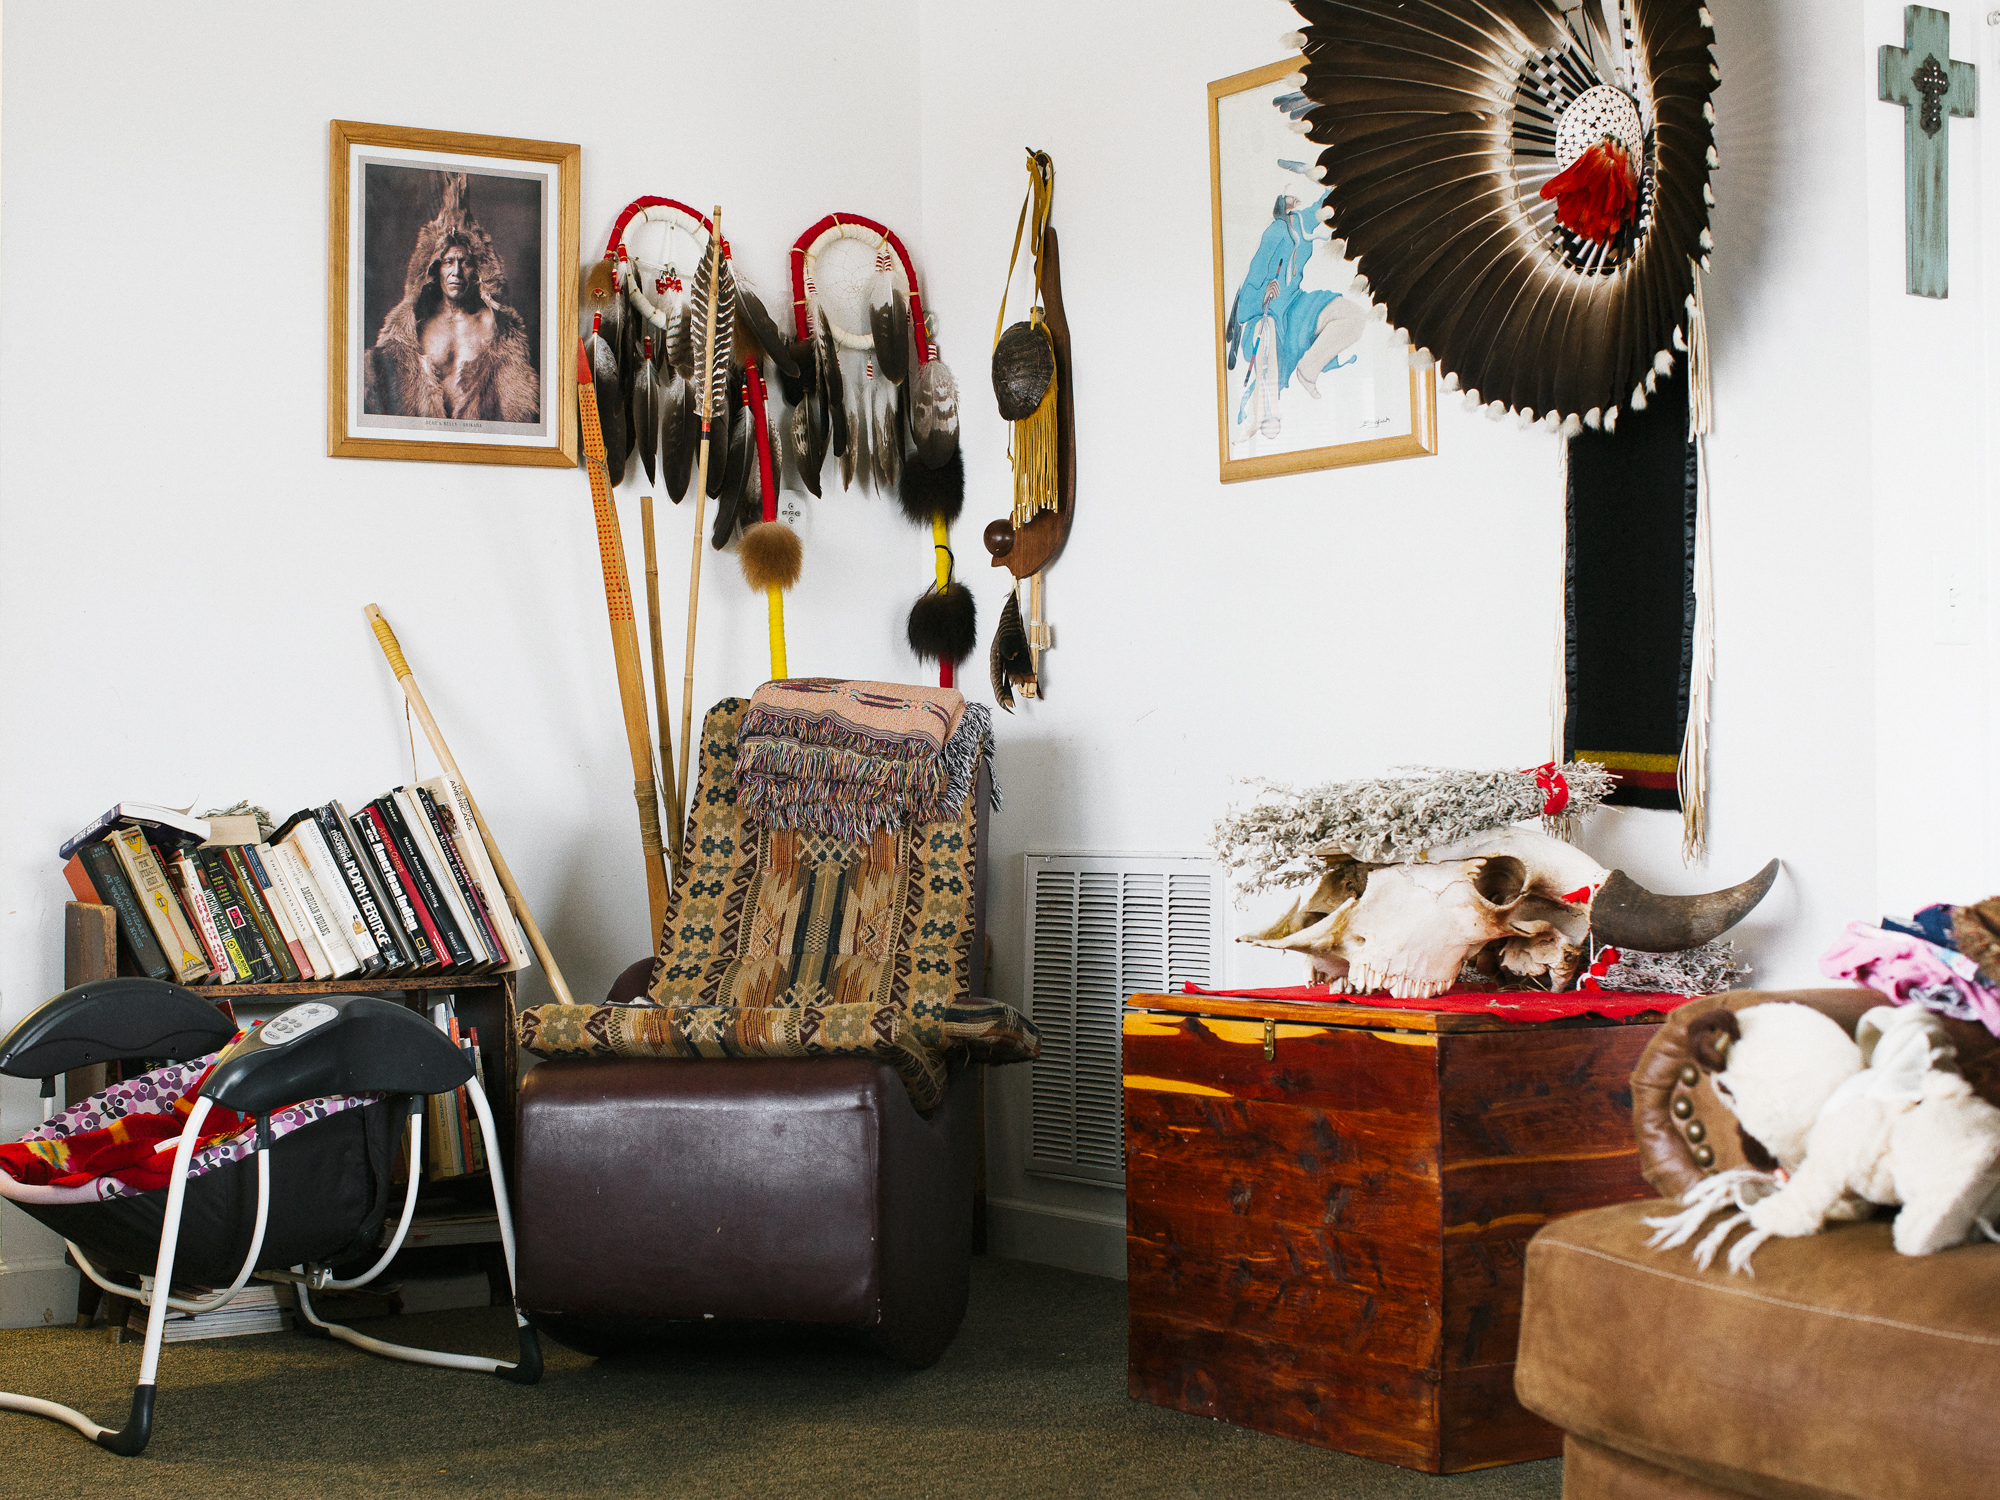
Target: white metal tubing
170,1235
499,1173
409,1209
11,1402
397,1351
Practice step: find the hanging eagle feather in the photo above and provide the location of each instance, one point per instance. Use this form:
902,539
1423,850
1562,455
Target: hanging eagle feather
739,463
680,433
759,332
724,438
792,382
809,437
831,387
1009,662
889,322
934,413
603,313
885,441
856,462
715,360
610,409
646,407
678,342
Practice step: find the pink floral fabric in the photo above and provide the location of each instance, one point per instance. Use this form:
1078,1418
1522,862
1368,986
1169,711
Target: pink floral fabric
154,1093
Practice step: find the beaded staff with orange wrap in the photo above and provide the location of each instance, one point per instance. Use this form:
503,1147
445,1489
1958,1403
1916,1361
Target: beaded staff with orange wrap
624,642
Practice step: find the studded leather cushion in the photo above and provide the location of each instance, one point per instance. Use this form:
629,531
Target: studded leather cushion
1686,1132
1840,1369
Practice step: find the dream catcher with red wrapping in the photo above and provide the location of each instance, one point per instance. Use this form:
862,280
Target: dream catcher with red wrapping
872,393
1525,187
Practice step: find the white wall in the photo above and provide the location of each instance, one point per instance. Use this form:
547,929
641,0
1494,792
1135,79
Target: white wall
181,591
182,570
1332,624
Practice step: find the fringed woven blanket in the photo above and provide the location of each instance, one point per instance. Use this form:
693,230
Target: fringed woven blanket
848,758
789,942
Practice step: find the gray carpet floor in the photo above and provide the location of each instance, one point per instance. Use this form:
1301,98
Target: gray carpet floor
1030,1401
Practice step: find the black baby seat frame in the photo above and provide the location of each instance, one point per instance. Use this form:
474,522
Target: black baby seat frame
336,1208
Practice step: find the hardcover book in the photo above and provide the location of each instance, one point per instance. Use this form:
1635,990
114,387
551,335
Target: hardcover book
260,914
195,878
423,890
115,891
431,851
176,939
411,925
309,846
276,908
146,814
236,912
311,952
370,903
319,911
468,889
455,803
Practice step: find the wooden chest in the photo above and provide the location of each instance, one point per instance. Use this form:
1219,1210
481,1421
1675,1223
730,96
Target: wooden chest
1328,1209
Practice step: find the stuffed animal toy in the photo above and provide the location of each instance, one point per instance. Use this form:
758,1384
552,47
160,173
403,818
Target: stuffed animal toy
1836,1126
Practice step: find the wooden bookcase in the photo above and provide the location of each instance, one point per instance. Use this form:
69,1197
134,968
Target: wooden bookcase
453,1211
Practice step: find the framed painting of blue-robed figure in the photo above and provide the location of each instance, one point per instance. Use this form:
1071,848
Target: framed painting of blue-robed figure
1308,374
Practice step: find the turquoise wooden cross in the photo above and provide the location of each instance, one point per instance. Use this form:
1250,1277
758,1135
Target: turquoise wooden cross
1923,79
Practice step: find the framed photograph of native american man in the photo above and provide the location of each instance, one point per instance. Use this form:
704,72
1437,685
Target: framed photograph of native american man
1308,375
451,315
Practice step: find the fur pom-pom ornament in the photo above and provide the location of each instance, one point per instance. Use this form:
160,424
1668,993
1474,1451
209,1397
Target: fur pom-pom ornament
926,492
771,555
944,626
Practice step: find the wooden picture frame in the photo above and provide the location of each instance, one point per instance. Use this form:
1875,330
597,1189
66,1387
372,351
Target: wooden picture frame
1313,377
451,308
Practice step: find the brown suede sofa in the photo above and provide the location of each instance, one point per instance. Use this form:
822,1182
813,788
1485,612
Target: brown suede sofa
1841,1369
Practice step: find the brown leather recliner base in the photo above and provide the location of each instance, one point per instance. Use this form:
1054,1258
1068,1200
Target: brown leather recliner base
753,1191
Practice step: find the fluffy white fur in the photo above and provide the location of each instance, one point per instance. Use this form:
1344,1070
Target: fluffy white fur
1882,1119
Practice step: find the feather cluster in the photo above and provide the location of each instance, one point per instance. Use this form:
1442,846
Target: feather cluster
1285,836
1009,661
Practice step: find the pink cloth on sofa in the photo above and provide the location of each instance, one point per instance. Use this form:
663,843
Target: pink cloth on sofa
1907,969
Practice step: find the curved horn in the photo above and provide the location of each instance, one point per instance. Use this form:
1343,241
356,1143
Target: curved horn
1627,915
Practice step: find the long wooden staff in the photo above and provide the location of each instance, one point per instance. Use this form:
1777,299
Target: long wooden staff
394,651
624,643
672,798
709,361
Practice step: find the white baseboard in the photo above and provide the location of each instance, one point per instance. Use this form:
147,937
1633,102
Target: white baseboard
1074,1239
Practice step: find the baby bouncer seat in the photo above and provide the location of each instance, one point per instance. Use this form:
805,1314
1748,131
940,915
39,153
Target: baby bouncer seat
282,1141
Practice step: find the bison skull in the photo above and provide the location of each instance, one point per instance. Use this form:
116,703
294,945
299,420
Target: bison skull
1514,900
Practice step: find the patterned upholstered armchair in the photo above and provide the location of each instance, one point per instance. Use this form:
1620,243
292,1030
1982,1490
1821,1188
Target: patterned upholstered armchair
775,1119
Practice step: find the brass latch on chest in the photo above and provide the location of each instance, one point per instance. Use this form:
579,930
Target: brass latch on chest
1270,1041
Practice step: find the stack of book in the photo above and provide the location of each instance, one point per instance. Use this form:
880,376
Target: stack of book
453,1143
402,887
255,1309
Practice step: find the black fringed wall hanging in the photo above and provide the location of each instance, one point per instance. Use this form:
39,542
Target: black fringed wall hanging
1629,598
